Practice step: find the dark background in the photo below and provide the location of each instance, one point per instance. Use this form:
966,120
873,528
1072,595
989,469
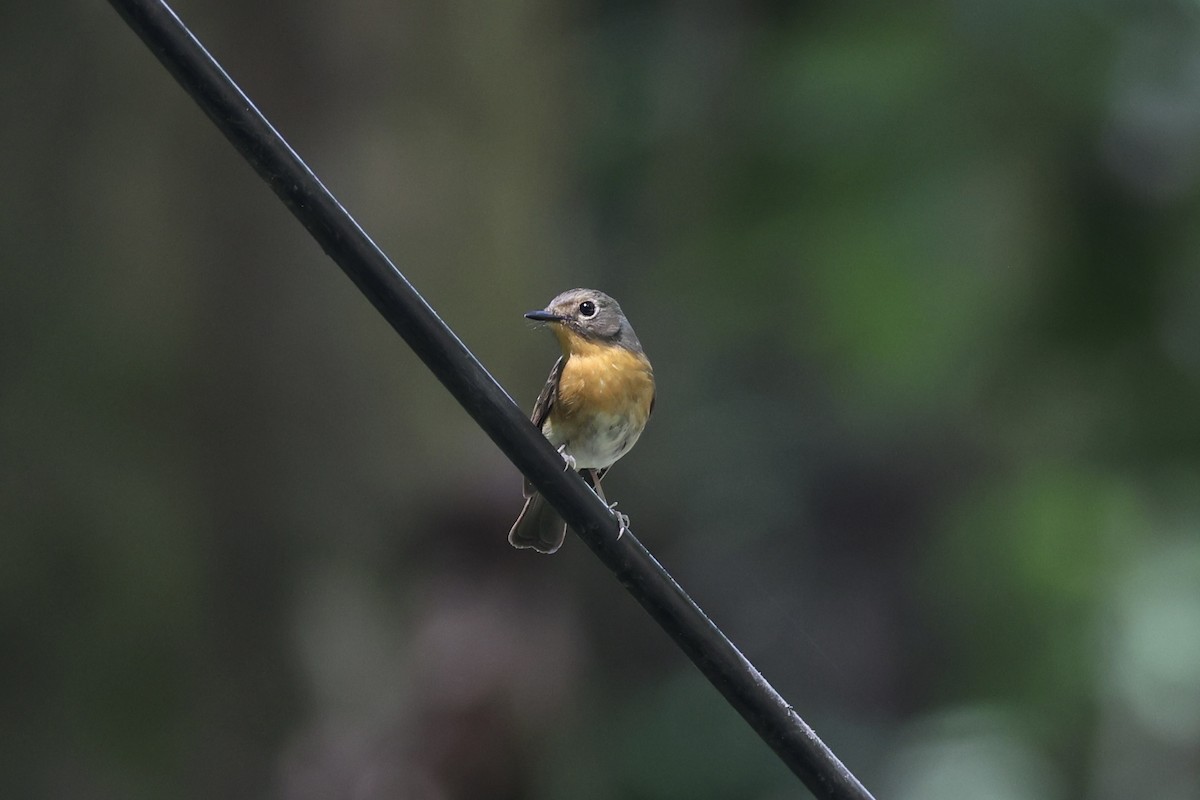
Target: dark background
920,282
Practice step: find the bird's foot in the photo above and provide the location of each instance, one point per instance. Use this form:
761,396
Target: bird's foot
568,459
622,520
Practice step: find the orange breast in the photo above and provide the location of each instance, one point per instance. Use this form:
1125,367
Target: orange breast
602,404
605,381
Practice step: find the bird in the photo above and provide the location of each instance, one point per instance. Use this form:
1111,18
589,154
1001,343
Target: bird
594,406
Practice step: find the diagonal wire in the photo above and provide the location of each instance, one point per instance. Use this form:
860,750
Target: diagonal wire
487,403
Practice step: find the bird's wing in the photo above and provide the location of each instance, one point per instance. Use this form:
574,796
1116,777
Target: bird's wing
545,401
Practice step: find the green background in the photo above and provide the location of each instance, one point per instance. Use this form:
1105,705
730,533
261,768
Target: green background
921,284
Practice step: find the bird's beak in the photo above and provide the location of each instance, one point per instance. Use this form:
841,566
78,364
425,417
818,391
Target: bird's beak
543,316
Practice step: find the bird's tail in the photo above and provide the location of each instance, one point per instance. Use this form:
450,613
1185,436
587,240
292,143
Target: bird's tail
539,527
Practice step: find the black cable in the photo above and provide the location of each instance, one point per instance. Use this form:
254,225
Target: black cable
490,406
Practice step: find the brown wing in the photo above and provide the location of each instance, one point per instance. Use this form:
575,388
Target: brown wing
545,401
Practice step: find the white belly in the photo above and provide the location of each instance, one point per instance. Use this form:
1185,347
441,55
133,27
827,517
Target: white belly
599,443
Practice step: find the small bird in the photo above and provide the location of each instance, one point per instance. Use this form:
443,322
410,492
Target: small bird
594,405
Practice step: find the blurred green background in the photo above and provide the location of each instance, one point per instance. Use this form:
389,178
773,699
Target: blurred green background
921,282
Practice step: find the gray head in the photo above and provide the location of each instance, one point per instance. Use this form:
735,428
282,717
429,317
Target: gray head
590,315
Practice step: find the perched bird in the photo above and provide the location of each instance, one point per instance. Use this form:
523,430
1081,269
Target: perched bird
594,404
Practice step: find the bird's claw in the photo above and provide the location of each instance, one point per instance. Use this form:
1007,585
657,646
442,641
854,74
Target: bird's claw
568,459
622,520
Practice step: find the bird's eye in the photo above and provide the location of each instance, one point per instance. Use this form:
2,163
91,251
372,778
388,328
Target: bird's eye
587,309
